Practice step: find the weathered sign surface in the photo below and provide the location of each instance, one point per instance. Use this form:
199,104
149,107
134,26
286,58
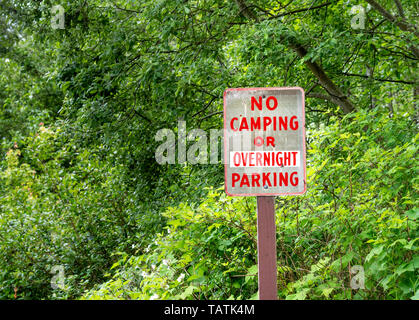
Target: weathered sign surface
264,141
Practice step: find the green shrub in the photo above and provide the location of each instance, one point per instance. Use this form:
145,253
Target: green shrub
61,206
360,210
205,253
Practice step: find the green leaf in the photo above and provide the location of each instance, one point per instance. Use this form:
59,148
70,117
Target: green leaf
188,292
327,291
413,213
416,296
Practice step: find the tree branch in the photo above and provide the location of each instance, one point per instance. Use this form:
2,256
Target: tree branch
205,108
322,96
401,23
378,79
142,116
210,115
334,91
246,10
300,10
400,9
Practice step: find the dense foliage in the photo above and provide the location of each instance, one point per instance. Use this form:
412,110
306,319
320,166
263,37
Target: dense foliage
80,188
349,216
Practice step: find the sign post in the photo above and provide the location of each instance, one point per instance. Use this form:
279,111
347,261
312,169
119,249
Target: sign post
265,156
267,248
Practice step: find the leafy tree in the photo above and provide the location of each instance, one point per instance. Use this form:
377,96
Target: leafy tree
80,108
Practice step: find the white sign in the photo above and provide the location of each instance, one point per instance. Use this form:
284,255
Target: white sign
264,141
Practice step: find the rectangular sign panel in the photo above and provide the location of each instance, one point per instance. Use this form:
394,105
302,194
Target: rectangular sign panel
264,141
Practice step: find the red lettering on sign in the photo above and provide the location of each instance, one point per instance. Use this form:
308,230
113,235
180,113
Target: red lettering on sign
294,179
293,123
266,122
270,141
236,159
245,181
267,159
255,180
244,125
282,123
265,179
258,141
283,179
244,158
294,157
259,159
254,102
264,158
255,123
268,103
235,178
251,158
231,124
287,158
279,159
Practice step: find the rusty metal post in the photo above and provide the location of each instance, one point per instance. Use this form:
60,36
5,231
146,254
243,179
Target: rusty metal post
267,271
